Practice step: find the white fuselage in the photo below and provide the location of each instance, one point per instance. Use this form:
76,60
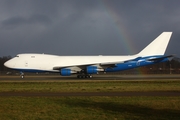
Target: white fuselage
47,62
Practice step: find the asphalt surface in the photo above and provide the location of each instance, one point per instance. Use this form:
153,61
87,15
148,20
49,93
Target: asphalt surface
120,94
96,77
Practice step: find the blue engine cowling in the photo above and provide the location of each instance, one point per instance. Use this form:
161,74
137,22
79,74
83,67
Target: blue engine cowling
91,70
65,72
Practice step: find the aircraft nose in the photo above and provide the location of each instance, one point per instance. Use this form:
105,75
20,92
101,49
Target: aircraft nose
8,64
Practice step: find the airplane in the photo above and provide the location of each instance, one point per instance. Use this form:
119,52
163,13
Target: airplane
85,66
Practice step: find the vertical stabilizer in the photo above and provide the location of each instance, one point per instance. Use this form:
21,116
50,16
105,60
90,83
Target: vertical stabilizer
158,46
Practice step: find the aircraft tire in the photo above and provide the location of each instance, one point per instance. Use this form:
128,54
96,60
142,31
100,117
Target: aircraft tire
84,76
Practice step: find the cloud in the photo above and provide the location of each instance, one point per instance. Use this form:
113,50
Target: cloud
85,27
18,21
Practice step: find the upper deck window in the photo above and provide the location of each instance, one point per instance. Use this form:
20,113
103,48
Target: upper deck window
32,56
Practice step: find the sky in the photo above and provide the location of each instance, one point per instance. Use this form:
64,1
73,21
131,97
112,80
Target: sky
86,27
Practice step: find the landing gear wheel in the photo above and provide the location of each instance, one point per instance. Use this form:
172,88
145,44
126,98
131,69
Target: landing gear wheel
84,76
22,75
87,76
78,76
90,76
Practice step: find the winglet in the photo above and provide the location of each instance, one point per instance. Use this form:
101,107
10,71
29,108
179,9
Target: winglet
158,46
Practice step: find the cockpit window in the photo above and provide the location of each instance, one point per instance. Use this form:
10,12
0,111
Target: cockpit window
17,56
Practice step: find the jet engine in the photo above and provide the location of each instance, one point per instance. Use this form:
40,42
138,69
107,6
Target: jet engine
65,72
93,70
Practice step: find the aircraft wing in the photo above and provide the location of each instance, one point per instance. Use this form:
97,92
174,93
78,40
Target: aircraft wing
103,65
114,63
79,66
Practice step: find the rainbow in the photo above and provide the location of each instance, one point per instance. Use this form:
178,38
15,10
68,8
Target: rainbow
125,38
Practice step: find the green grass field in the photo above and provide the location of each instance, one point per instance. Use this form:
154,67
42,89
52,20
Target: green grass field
88,108
90,86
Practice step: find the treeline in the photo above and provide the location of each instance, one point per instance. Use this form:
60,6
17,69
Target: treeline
171,67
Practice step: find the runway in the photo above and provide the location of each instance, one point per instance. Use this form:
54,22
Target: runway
90,94
95,77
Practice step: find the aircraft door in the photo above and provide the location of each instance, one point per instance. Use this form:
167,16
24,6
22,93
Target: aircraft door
26,63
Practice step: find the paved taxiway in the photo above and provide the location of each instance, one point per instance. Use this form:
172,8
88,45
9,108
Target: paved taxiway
96,77
120,94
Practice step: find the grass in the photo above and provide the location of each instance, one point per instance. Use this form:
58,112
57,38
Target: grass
88,108
90,86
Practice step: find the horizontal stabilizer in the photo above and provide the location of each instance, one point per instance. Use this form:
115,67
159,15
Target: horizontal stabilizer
161,58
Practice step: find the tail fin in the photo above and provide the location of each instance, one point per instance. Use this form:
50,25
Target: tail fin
158,46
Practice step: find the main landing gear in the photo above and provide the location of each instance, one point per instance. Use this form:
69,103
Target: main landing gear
84,76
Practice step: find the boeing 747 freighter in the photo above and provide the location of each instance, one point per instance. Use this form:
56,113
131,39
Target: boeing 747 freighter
85,66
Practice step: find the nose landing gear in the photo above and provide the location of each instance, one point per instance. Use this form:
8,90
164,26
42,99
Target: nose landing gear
22,75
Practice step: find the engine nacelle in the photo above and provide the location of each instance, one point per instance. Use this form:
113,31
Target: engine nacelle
65,72
92,70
